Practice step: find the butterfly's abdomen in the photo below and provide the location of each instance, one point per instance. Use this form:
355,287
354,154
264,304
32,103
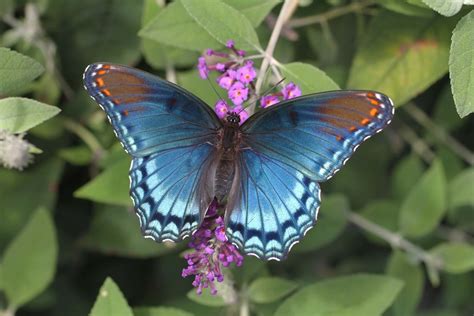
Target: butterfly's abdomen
225,172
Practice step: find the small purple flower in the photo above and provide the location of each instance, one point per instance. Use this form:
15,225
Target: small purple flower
220,67
269,100
230,44
238,93
212,251
246,73
202,67
221,109
291,91
241,53
225,81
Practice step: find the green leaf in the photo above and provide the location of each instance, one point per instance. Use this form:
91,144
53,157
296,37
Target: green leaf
406,8
159,311
360,294
425,205
110,301
78,155
173,24
159,55
116,230
254,10
400,267
460,189
205,298
331,222
16,70
18,115
41,184
309,78
29,262
223,22
446,8
401,56
406,173
457,257
461,65
111,186
203,89
383,213
270,289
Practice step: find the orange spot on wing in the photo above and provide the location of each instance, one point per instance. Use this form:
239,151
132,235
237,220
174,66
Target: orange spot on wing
125,113
338,137
371,94
106,66
352,129
101,72
374,102
100,82
106,92
365,121
373,112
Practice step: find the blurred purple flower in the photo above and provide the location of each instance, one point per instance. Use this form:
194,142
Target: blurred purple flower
238,93
202,67
212,250
269,100
221,109
225,81
291,91
230,44
246,73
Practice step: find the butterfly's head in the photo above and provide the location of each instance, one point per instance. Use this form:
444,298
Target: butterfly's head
233,118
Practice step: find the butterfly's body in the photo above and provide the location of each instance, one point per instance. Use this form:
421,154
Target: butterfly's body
265,172
228,145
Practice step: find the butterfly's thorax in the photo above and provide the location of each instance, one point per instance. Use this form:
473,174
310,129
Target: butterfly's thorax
227,146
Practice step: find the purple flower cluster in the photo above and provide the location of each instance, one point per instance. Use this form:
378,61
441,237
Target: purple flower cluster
212,251
237,76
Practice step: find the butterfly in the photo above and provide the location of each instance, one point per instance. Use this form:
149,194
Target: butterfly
266,171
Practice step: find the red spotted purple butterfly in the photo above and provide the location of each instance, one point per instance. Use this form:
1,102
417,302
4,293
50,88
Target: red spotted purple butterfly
265,171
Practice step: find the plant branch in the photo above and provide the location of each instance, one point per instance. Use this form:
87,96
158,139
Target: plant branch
421,118
417,144
286,11
86,136
331,14
396,241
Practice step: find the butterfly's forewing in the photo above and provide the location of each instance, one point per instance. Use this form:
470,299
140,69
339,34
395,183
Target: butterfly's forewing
169,134
287,149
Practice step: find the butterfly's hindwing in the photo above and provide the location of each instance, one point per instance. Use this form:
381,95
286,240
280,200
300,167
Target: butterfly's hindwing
278,205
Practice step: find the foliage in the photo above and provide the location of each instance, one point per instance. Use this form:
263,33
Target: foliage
395,232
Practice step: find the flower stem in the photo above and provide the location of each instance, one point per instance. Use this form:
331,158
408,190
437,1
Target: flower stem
440,133
417,144
86,136
244,308
396,241
286,11
324,17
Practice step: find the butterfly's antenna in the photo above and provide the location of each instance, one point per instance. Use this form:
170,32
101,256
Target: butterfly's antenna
265,92
215,91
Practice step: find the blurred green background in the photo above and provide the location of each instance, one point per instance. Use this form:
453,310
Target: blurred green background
396,228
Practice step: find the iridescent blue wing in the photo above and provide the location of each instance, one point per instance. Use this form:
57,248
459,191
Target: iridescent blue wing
169,133
287,149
